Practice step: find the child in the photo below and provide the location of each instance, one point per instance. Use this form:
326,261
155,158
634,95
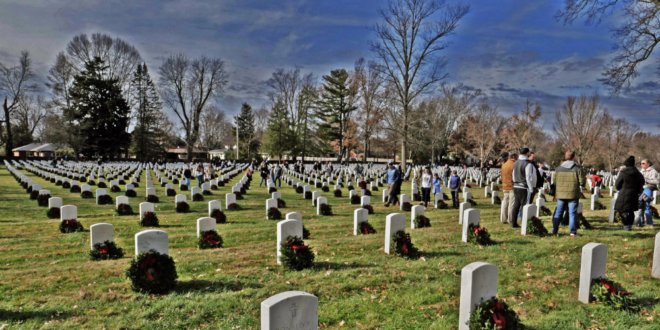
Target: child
363,186
455,186
437,182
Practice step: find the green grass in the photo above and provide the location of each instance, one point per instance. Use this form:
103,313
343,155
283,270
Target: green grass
47,281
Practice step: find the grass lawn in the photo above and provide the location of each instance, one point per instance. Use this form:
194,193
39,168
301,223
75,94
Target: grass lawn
47,281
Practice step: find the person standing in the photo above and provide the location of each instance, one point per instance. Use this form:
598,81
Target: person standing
276,174
199,174
524,184
537,174
427,183
393,176
264,175
630,185
447,174
187,175
651,181
208,172
363,186
455,186
569,180
507,187
437,182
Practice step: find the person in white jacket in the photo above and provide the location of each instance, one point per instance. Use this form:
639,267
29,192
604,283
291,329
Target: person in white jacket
651,181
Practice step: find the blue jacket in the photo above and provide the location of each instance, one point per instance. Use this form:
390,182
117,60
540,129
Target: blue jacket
392,175
455,183
447,172
436,185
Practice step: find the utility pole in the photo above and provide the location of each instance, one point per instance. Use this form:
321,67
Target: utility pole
237,141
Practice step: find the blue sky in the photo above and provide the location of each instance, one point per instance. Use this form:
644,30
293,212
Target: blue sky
510,49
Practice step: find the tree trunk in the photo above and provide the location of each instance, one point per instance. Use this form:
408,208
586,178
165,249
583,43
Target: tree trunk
9,144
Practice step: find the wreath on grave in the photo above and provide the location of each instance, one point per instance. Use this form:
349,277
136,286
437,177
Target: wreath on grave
654,212
442,205
43,200
611,294
403,246
582,196
326,209
183,187
75,188
130,193
498,201
296,255
369,208
152,272
479,235
493,314
152,199
366,228
91,182
199,198
325,189
599,206
341,185
618,217
545,211
214,187
281,203
66,185
542,196
209,239
135,184
496,188
306,233
274,214
86,194
171,192
121,182
444,196
468,185
337,192
52,180
70,226
472,202
489,195
355,199
149,219
163,184
367,192
308,195
238,195
34,195
124,209
243,191
582,222
319,185
422,221
407,206
106,251
53,213
25,186
350,187
207,192
82,179
102,185
219,216
535,227
105,199
417,197
272,190
233,207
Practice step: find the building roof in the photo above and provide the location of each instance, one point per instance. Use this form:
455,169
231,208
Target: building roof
182,150
220,151
37,147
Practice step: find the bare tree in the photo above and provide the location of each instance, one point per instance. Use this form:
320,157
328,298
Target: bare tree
580,125
484,130
617,139
215,130
409,42
15,84
30,112
60,80
261,124
636,37
370,83
523,129
186,87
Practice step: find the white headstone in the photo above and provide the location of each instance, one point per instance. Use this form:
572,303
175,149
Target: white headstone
467,196
320,201
290,310
494,196
594,265
68,212
85,187
151,191
100,233
415,211
294,216
121,200
214,205
461,211
286,228
403,199
366,200
43,192
99,193
271,203
54,202
276,195
478,283
194,191
594,199
527,213
360,215
230,199
151,239
179,198
486,191
146,207
540,202
386,193
655,271
438,197
315,196
393,223
352,193
612,211
471,217
150,184
205,224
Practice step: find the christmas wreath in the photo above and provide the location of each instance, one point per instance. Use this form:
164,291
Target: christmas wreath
209,240
355,199
498,201
70,226
233,207
175,181
422,221
152,272
366,228
102,185
478,235
618,217
91,182
214,187
130,193
274,214
207,192
545,211
612,295
238,195
75,188
296,255
53,213
306,233
654,212
86,194
135,184
374,188
319,185
368,208
149,219
542,196
472,202
219,216
121,182
326,209
403,246
407,206
106,251
52,180
66,185
535,227
492,315
444,196
199,198
496,188
34,195
341,185
581,221
82,179
468,186
183,187
350,187
308,195
442,205
489,195
325,189
599,206
182,207
152,199
281,203
124,209
43,200
171,192
104,199
243,191
163,184
337,192
417,197
272,190
299,190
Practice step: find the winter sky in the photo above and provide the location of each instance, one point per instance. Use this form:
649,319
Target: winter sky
510,49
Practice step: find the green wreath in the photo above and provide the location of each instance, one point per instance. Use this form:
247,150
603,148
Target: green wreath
152,272
403,246
306,233
53,213
152,199
115,189
355,199
86,194
296,255
611,294
422,221
274,214
281,203
206,192
182,207
149,219
479,235
493,314
209,240
124,209
337,193
70,226
326,209
369,208
219,216
106,251
75,189
105,199
535,227
366,228
130,193
34,195
171,192
407,206
42,200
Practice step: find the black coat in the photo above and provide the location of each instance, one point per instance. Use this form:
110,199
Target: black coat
630,185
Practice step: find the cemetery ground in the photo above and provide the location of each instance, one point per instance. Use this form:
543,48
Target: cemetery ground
48,282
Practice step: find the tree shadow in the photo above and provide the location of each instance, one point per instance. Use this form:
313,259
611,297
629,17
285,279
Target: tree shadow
24,315
440,254
213,286
338,266
635,235
171,226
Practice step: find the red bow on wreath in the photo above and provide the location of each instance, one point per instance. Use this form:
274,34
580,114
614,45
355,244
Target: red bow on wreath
70,223
477,230
404,245
500,321
209,239
299,247
612,289
103,250
148,264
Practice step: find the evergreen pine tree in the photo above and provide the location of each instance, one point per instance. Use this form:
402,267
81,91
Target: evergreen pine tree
279,132
334,110
245,123
148,107
99,114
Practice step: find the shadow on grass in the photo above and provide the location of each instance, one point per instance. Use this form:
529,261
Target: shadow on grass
338,266
43,315
171,226
441,253
635,235
213,286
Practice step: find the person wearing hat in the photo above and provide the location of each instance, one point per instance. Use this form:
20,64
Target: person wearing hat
630,185
524,184
569,180
393,176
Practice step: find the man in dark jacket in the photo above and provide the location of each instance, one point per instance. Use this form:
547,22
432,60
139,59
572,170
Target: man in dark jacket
187,175
569,180
447,175
630,185
393,184
524,184
264,175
